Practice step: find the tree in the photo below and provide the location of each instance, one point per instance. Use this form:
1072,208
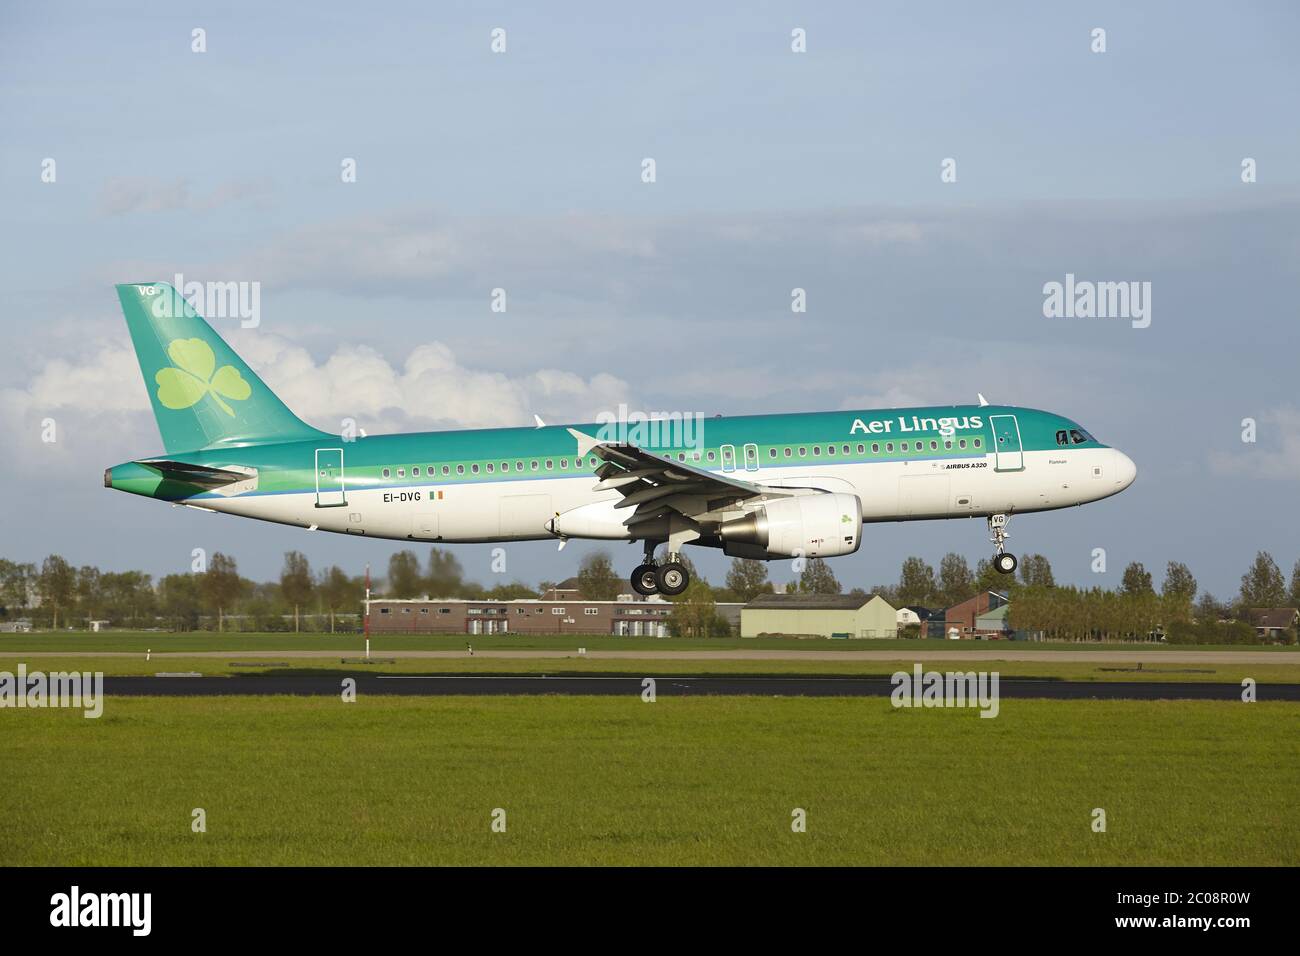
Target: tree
696,613
956,583
296,584
1136,580
1209,610
1295,585
989,578
15,583
511,592
1179,582
57,584
1036,571
1262,585
179,599
221,585
404,580
748,578
337,591
818,578
916,583
597,579
446,576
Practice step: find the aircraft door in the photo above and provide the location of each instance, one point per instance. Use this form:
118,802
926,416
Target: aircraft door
728,453
751,457
1008,455
330,489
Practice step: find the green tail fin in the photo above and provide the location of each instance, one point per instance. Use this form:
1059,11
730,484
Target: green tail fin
203,394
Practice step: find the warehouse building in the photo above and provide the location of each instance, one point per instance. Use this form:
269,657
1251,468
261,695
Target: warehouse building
819,615
975,617
625,617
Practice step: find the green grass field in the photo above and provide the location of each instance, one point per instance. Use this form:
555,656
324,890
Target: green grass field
618,781
353,643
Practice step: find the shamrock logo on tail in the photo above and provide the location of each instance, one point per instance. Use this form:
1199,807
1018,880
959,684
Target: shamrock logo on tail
185,385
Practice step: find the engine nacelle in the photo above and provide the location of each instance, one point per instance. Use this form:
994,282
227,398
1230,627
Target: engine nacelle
811,526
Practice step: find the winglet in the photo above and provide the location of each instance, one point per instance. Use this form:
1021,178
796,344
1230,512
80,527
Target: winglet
538,418
983,401
585,442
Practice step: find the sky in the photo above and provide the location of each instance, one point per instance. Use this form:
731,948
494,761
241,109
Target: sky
522,170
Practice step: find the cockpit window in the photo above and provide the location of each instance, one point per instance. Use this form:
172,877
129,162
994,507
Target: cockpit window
1061,438
1079,436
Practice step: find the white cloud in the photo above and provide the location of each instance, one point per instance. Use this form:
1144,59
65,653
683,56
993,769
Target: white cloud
101,409
123,195
1274,454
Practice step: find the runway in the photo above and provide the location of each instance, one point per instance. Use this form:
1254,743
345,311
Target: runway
669,685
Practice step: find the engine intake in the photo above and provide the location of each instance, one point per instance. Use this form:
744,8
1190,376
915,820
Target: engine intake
811,526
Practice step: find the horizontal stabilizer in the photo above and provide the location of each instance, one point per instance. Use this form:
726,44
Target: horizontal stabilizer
201,475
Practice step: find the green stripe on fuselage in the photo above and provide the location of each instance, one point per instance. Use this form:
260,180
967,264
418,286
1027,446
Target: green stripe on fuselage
290,467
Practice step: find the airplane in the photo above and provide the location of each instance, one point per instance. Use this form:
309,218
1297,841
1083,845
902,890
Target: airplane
755,486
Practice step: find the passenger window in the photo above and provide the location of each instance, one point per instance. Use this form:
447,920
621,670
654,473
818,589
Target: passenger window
564,463
490,467
862,449
415,472
533,463
889,446
787,453
446,470
934,445
519,466
460,469
979,442
817,449
550,464
710,456
803,452
386,473
875,448
903,447
401,473
474,468
505,466
771,453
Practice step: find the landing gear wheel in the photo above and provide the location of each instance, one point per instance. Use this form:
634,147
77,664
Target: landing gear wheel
671,578
1005,562
643,580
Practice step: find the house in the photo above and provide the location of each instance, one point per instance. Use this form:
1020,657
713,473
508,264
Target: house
566,590
819,615
1271,622
962,620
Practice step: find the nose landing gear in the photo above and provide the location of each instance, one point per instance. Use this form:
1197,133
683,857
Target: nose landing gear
1004,561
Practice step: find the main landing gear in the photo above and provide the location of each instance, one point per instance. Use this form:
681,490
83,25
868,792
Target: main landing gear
669,578
1004,561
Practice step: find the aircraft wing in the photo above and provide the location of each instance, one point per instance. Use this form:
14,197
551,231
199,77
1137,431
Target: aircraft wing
653,485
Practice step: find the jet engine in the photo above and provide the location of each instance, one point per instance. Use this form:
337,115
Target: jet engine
810,526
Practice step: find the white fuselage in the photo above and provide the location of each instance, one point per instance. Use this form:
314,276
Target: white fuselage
517,509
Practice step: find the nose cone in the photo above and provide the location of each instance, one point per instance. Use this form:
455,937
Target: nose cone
1125,470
